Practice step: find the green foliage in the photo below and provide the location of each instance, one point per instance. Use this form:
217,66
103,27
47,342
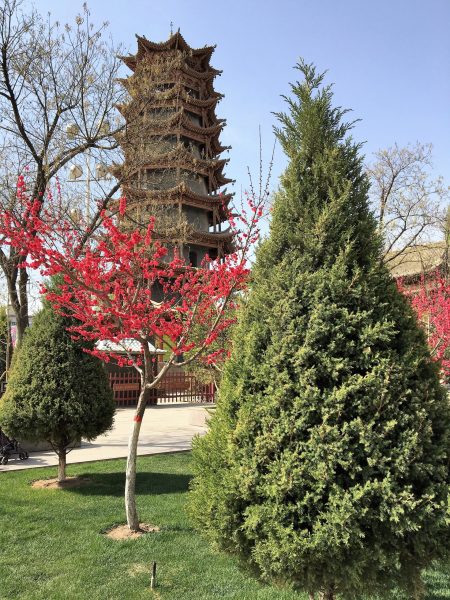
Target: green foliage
326,465
56,391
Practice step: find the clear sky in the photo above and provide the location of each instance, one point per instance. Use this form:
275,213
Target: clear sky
389,61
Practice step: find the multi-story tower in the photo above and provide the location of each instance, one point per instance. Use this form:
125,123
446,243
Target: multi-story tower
171,148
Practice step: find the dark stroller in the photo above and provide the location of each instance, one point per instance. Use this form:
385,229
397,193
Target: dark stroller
9,447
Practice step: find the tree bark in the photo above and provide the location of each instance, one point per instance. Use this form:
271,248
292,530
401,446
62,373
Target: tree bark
62,453
327,594
22,318
9,349
130,475
16,280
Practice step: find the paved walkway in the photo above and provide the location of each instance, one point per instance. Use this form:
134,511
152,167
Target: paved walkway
165,428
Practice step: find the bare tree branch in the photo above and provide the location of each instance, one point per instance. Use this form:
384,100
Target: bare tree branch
58,96
409,204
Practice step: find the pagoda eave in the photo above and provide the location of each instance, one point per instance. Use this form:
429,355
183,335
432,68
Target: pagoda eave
180,192
214,143
206,103
179,90
206,90
221,180
209,74
219,241
216,125
217,148
182,120
186,104
177,118
184,101
226,235
179,158
130,62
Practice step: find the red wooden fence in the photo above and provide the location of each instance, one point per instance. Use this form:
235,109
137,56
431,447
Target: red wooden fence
174,387
126,386
182,387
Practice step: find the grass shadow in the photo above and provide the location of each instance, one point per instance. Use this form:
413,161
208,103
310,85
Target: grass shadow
153,484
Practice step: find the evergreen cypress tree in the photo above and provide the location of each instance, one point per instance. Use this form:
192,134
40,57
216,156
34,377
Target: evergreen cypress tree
56,392
326,465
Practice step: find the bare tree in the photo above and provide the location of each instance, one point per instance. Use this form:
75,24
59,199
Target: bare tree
58,91
409,204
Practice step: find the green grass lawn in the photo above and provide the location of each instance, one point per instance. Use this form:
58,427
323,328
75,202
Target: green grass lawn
51,546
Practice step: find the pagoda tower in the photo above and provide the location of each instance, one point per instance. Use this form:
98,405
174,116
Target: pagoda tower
172,167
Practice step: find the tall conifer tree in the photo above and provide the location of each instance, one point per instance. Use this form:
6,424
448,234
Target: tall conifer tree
326,465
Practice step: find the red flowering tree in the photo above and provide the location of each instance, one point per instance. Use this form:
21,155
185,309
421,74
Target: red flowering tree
431,301
109,288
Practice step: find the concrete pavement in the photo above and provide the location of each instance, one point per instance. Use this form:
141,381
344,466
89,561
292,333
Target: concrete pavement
165,428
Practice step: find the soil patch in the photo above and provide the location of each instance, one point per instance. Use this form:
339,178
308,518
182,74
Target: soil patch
122,532
137,569
54,484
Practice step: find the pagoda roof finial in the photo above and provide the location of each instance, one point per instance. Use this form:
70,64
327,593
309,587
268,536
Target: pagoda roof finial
175,41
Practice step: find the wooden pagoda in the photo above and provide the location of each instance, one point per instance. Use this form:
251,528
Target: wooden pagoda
172,167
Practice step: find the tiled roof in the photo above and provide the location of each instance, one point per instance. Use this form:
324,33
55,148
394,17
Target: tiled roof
417,260
127,345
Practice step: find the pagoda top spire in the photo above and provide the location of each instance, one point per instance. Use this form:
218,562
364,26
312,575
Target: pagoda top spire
175,42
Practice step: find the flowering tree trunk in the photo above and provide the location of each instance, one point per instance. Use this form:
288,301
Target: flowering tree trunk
130,474
148,382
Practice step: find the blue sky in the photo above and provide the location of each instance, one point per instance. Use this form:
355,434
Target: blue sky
389,61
